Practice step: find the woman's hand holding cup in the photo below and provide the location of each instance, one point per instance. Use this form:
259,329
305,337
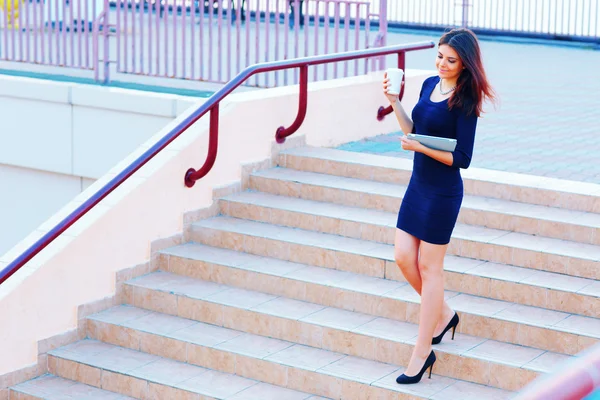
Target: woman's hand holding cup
392,84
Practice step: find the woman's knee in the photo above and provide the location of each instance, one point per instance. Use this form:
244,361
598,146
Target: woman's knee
431,260
406,249
405,259
431,266
430,270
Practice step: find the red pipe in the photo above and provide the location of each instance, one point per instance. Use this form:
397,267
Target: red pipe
282,132
210,105
191,176
574,380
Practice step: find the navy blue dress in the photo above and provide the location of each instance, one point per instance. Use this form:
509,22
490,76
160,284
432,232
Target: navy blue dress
434,195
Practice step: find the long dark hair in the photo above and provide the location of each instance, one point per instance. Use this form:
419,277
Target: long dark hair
472,87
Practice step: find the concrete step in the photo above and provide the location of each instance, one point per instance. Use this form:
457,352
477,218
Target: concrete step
522,188
147,376
491,319
50,387
269,359
468,358
503,282
552,222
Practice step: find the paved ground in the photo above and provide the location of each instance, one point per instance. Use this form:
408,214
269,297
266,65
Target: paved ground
548,120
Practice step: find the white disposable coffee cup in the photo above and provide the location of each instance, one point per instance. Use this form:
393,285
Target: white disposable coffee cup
395,76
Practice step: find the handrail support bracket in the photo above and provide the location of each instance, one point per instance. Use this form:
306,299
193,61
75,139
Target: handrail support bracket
191,176
282,132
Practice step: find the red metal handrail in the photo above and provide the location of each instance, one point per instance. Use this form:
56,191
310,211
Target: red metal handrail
212,105
575,379
192,175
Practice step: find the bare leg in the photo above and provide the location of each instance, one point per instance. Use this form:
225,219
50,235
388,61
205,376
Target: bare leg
431,267
406,253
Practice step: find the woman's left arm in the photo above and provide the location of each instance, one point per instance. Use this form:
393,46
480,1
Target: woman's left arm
445,157
465,139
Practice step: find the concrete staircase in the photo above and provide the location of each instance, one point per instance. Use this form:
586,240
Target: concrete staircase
292,293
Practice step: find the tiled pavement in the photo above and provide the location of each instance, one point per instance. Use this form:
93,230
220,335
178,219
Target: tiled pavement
547,120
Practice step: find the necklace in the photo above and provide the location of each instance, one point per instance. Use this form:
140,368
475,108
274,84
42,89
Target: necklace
449,90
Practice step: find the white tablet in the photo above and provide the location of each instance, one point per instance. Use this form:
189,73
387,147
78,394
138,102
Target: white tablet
434,142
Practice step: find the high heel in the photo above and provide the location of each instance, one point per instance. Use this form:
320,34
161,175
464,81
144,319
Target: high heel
452,324
407,380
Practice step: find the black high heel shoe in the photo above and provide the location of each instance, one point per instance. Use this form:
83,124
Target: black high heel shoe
407,380
452,324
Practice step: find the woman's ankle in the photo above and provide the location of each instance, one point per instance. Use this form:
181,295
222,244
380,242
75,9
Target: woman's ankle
447,311
421,353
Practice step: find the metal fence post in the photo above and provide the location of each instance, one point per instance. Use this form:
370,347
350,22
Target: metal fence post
383,28
383,21
101,32
106,37
465,13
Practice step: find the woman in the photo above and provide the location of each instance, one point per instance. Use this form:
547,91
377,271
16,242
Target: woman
449,106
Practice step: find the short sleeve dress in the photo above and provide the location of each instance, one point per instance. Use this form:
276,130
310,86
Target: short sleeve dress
432,201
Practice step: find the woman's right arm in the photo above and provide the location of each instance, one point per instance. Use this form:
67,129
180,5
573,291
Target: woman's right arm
406,123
